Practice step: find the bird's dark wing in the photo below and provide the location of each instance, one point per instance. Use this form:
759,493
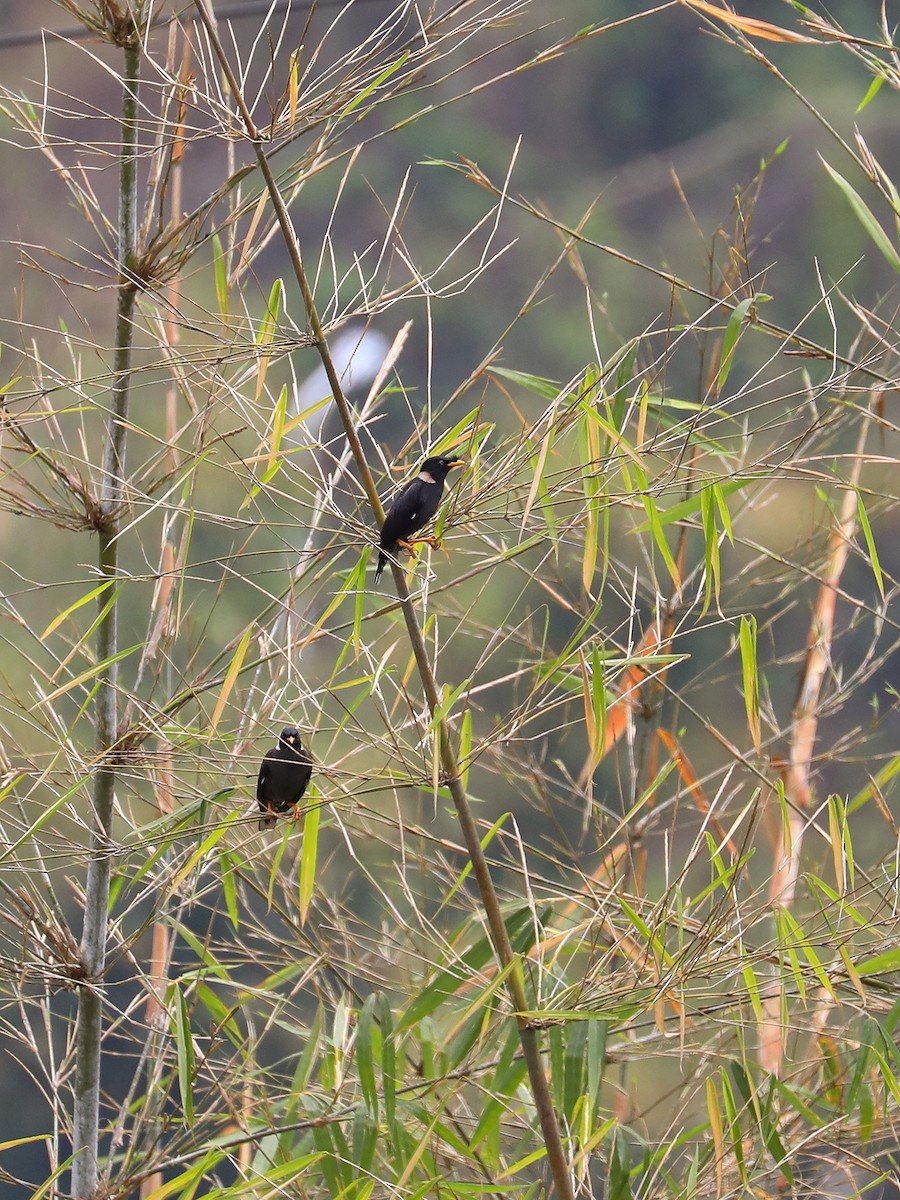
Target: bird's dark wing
261,799
261,783
413,508
402,518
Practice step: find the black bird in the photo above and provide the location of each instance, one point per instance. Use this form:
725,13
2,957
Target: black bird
414,507
283,777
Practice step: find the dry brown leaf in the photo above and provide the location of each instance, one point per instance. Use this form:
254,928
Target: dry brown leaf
750,25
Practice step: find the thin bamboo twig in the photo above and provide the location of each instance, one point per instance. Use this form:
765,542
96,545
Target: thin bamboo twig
88,1033
556,1155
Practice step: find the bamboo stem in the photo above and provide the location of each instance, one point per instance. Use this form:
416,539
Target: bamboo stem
88,1032
540,1087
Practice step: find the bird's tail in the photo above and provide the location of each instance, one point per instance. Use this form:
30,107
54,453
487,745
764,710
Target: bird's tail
382,563
266,823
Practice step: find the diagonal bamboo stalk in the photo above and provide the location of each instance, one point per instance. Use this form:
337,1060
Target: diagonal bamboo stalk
804,729
88,1030
528,1036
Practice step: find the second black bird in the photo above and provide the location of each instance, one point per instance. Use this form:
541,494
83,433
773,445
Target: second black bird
414,507
283,777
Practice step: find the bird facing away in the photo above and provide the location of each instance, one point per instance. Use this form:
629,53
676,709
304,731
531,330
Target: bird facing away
283,777
414,507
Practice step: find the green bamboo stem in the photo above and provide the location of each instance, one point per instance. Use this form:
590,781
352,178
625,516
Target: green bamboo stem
88,1031
540,1087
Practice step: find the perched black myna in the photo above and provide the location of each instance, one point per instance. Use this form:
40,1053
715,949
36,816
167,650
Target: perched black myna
414,507
283,777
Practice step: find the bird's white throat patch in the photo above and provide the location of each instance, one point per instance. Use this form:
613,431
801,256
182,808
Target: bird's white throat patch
426,477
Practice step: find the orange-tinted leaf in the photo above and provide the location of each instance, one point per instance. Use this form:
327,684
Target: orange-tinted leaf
750,25
692,783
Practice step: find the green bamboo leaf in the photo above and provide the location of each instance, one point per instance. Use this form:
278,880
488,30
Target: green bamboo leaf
538,489
388,1065
870,542
465,746
866,1040
787,948
91,595
470,1028
222,1015
185,1184
447,982
23,1141
710,549
619,1168
508,1074
311,1050
750,672
91,673
556,1051
276,860
229,889
520,929
772,1140
652,940
363,1143
720,492
659,537
231,675
841,844
714,1113
596,1063
275,460
866,1109
334,1159
467,869
866,217
47,1187
874,89
259,1181
730,339
547,389
877,785
809,953
46,815
184,1045
574,1066
833,897
220,272
521,1164
365,1059
376,83
734,1127
694,504
618,403
203,849
795,1100
266,333
879,964
752,986
468,429
308,854
592,482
